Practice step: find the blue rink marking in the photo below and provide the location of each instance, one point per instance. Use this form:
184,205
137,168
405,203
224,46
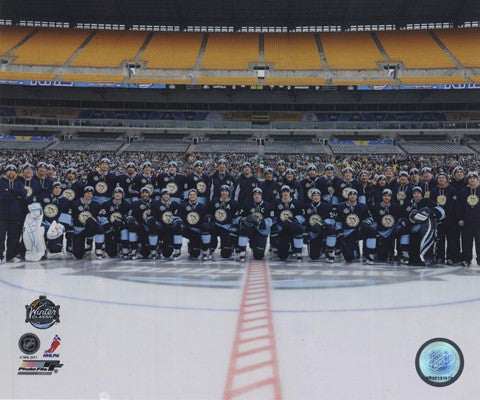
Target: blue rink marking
174,308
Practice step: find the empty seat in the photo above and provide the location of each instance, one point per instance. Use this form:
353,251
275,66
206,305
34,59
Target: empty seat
226,146
165,146
292,51
350,50
89,145
230,51
11,36
463,44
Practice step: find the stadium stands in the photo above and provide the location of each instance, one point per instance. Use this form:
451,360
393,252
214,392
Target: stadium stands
431,80
166,80
292,51
350,50
433,147
34,76
108,49
24,144
172,50
165,146
11,36
220,80
363,148
92,78
415,49
88,145
226,146
294,148
230,51
50,46
462,44
295,81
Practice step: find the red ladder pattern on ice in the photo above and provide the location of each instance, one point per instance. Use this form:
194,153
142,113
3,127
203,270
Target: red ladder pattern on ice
253,371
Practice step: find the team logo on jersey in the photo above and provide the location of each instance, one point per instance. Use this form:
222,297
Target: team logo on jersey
285,214
167,217
149,187
331,190
42,313
101,187
29,343
193,218
427,194
258,215
69,194
345,192
220,215
146,214
144,181
388,221
309,193
401,196
352,220
315,219
442,199
201,187
472,200
50,210
172,187
116,216
29,191
84,216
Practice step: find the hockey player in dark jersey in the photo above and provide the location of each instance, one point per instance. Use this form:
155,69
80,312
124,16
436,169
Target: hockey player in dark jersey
387,217
102,181
199,181
309,183
125,181
85,223
173,181
245,184
113,217
224,211
43,179
428,182
220,178
343,186
458,180
327,184
320,226
376,194
402,191
196,225
145,179
56,208
270,188
72,187
356,223
255,224
279,174
142,226
422,215
295,186
170,226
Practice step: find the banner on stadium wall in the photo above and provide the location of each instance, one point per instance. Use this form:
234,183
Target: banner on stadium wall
27,138
45,112
83,84
460,86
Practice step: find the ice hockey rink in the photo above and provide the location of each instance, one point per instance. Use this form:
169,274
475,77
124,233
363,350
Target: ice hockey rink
224,330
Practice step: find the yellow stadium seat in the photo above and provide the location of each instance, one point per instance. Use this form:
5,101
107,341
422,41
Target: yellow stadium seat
227,81
416,49
173,50
292,51
107,78
464,44
230,51
28,76
50,46
358,82
350,50
109,48
431,80
308,81
475,78
12,35
166,81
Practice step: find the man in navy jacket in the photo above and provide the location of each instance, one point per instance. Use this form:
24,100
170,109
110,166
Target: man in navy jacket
12,194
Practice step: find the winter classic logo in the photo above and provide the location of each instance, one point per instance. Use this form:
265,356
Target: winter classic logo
439,362
42,313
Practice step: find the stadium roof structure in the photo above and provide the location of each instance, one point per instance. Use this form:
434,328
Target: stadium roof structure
244,13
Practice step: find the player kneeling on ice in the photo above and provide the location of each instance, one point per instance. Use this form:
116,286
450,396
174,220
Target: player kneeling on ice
85,224
196,225
56,217
256,219
356,224
170,226
390,226
112,216
287,231
320,223
225,222
142,225
422,214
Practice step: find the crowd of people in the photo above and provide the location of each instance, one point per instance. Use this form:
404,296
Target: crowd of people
418,211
